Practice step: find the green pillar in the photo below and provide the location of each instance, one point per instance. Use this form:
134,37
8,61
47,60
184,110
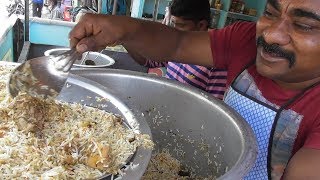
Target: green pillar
137,8
103,6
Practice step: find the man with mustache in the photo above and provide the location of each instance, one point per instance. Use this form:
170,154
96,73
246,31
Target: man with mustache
273,74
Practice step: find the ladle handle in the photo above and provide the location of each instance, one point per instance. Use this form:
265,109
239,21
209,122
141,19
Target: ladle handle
65,60
73,56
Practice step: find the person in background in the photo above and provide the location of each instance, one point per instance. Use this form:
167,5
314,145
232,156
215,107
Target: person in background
65,3
37,8
189,15
167,16
273,74
55,10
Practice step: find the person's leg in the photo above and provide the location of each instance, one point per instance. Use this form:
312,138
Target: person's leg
34,9
37,10
40,10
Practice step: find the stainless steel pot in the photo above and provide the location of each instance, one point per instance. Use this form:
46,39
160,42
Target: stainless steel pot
202,132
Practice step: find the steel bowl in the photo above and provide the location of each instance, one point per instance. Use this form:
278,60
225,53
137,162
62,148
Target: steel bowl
89,59
206,135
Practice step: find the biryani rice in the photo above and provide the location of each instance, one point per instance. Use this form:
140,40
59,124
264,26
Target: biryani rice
48,139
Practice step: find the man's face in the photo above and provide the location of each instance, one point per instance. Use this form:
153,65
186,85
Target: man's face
288,38
186,25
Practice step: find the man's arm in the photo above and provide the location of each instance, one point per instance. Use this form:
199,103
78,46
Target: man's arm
153,40
137,57
144,62
305,164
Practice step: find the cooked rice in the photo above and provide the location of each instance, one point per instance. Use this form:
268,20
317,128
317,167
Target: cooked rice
47,139
164,166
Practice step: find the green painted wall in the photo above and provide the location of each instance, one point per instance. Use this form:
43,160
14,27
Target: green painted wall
50,32
6,46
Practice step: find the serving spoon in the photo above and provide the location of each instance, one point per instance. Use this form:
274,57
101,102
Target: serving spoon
42,77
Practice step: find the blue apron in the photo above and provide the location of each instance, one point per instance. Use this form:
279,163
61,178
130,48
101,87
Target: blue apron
260,118
275,127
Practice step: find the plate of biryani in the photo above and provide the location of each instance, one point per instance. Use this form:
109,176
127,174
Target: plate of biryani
86,133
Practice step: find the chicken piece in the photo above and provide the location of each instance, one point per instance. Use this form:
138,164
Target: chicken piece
98,162
69,160
25,126
3,131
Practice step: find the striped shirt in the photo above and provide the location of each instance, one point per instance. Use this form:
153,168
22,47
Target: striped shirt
210,80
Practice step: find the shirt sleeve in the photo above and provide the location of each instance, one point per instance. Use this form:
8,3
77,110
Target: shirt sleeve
234,48
154,64
233,43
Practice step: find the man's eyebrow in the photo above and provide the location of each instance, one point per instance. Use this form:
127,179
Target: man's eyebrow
275,4
306,14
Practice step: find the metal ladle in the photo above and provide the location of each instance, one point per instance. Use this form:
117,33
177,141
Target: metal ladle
44,76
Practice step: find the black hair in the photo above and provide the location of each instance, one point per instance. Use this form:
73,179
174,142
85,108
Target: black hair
195,10
54,2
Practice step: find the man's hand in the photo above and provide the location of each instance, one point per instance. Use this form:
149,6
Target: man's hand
305,164
95,32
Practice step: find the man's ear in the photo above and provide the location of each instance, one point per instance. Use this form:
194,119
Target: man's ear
202,25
